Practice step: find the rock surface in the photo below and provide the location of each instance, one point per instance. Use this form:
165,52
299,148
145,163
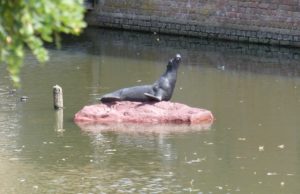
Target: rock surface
164,112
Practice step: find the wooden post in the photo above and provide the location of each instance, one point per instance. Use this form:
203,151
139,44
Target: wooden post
59,124
58,106
57,97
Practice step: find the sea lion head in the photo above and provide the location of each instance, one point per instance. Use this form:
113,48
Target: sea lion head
174,62
178,57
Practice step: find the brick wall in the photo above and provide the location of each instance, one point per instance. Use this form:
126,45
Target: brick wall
259,21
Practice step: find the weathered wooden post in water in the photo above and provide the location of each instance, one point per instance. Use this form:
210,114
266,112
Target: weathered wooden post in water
58,106
58,97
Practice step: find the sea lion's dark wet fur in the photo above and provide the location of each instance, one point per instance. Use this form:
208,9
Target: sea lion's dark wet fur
161,90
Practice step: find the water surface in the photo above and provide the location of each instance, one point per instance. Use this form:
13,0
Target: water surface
252,147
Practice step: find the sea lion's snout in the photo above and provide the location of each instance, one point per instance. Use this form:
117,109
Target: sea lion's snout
175,61
178,57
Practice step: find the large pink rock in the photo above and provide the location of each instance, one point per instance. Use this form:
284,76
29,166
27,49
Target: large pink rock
138,112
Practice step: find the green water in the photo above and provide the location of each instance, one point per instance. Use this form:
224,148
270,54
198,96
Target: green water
253,145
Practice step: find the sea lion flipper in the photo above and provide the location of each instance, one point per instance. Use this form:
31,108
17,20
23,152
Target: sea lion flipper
156,98
110,98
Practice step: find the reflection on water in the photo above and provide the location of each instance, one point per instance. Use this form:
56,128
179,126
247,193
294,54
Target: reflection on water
252,147
144,128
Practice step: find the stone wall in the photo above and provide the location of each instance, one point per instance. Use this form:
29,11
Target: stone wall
259,21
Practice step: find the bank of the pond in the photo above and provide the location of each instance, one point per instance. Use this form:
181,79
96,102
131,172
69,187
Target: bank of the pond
268,22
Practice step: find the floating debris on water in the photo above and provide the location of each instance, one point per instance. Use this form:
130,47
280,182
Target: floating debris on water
24,98
208,143
196,161
14,159
192,182
289,174
110,151
261,148
272,173
221,67
18,150
241,157
22,180
190,190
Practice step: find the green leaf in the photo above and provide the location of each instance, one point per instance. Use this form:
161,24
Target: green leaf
30,23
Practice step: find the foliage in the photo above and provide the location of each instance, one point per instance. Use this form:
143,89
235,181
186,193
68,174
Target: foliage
30,23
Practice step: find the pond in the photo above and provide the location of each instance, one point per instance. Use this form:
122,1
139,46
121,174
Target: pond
253,145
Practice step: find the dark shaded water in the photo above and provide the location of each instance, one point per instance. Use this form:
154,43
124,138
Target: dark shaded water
252,147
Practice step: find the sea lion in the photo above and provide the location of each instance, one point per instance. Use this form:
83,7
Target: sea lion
161,90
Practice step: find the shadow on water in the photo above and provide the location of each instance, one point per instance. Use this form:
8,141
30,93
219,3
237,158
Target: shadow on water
252,147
